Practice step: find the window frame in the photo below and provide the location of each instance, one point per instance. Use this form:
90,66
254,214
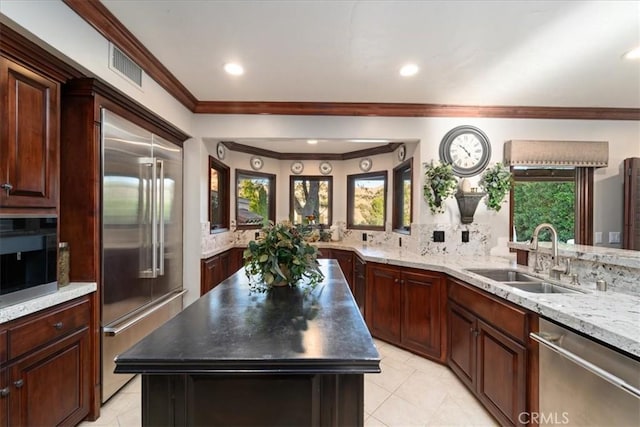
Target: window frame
583,215
398,197
224,186
271,197
351,179
328,178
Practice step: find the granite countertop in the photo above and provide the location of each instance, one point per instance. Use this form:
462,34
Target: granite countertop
601,254
610,317
233,330
64,294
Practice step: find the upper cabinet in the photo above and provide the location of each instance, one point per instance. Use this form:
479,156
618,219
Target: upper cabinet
29,139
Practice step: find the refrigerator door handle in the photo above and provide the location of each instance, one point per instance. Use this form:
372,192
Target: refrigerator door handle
112,331
160,208
154,219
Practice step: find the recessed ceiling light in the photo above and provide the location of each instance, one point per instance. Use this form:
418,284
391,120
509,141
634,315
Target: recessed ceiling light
234,69
312,141
633,54
408,70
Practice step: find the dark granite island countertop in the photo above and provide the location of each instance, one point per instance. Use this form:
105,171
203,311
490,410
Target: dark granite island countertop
241,352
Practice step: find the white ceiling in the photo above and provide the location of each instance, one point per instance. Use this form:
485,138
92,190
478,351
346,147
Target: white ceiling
531,53
495,53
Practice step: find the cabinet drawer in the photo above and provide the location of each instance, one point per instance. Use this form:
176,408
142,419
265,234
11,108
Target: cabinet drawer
510,319
47,327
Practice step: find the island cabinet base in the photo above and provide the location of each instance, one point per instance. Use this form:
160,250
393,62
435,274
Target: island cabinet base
253,400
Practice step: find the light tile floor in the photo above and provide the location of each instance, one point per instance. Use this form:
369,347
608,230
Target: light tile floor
410,391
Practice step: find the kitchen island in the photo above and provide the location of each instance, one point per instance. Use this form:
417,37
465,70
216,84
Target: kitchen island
237,357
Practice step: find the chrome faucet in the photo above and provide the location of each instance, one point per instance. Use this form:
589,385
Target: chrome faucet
556,269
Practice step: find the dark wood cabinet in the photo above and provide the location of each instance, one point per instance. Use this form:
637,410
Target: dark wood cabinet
217,268
44,379
406,307
29,139
359,282
488,349
345,259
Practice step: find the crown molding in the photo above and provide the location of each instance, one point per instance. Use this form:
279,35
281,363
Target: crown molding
98,16
241,148
415,110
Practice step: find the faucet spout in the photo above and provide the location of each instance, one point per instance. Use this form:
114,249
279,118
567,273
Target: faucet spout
554,272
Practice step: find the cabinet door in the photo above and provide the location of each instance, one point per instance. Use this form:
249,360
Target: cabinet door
501,373
51,387
29,138
236,262
5,391
383,303
324,253
421,313
225,260
359,283
462,344
211,274
345,259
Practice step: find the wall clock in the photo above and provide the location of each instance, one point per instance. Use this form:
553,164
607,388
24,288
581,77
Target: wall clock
256,163
220,150
467,149
297,167
365,164
402,152
325,168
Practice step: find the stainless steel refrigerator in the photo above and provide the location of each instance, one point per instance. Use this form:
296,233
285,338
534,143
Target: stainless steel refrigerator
141,238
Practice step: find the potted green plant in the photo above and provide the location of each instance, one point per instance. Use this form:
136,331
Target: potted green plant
496,181
281,257
439,184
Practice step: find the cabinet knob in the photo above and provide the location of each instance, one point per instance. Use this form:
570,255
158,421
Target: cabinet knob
7,187
5,392
58,325
18,383
395,280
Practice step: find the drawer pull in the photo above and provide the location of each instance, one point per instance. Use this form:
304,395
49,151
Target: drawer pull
18,383
58,325
4,392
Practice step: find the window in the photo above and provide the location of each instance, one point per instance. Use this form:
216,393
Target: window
367,201
255,198
219,188
544,195
310,196
402,197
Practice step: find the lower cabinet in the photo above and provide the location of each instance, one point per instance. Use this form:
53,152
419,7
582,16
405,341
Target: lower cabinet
46,377
217,268
406,307
487,350
345,259
359,282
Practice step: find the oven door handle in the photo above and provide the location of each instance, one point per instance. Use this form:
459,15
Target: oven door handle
596,370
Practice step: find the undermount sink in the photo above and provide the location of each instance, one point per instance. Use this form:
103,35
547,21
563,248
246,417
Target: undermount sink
522,281
503,275
543,288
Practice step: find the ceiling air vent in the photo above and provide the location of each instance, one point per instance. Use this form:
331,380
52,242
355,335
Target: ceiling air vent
121,63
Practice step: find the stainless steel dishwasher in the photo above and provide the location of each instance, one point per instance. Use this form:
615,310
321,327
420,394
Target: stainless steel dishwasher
584,383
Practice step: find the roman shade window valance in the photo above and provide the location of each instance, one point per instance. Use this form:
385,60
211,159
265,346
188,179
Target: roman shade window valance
556,153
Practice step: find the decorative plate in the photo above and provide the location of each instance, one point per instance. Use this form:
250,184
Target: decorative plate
365,164
402,152
325,168
221,150
256,163
297,167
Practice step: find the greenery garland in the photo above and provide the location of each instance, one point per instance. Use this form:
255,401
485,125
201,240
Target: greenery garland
496,181
439,184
